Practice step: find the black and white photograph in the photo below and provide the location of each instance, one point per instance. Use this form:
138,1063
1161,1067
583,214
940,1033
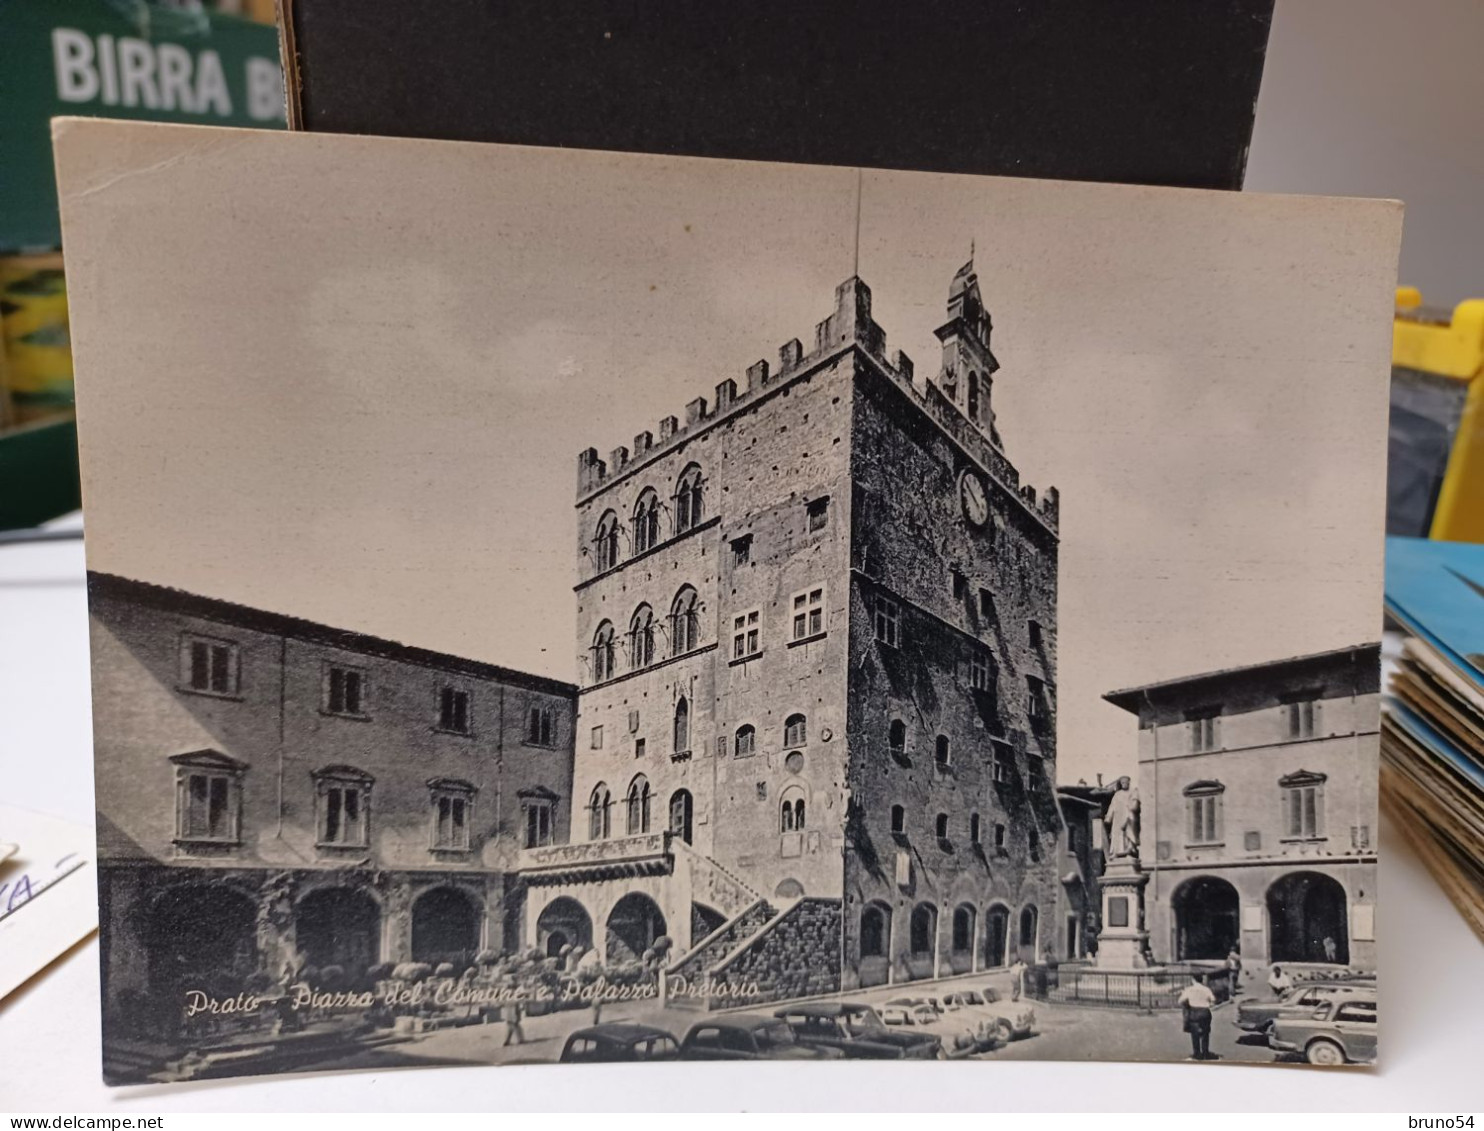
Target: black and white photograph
575,607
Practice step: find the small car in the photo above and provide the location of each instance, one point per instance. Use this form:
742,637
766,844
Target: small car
858,1032
963,999
749,1036
908,1011
619,1041
1257,1016
1340,1031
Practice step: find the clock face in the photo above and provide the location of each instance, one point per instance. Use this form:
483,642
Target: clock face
975,500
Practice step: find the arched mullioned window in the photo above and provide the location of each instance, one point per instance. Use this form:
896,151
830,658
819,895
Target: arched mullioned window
599,813
606,541
791,810
688,499
638,806
795,730
641,638
746,741
685,622
682,726
646,521
603,653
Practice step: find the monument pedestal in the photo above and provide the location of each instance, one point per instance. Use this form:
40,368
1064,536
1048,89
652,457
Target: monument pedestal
1123,943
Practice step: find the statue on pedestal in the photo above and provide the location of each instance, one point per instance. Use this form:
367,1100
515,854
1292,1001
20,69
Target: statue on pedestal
1121,823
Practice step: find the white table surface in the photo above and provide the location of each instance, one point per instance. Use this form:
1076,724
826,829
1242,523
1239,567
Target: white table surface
1432,978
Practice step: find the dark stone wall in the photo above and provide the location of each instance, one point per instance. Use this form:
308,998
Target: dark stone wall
909,535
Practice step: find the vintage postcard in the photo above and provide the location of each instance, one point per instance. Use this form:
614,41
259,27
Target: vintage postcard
558,606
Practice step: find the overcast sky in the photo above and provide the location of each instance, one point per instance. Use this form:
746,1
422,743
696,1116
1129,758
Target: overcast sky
347,378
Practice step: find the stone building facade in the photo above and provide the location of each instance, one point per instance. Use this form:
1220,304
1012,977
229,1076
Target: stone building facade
1258,787
275,793
817,628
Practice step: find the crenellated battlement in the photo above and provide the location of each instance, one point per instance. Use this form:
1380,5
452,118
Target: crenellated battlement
850,324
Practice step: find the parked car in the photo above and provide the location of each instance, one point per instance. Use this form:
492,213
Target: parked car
990,995
1258,1016
858,1032
962,999
749,1036
908,1011
1339,1031
619,1041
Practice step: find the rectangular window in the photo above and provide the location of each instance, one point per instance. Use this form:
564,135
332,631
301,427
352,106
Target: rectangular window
1035,767
1034,628
638,748
1301,715
208,807
453,710
1074,840
741,551
1040,713
209,666
746,634
960,584
342,814
986,605
981,672
538,824
540,729
819,514
999,838
1203,813
1002,758
888,621
1205,731
1303,807
597,738
451,829
345,690
808,614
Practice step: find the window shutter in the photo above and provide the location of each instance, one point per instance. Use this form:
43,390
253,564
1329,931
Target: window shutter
633,721
721,746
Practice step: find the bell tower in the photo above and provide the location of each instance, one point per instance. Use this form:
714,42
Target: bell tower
969,365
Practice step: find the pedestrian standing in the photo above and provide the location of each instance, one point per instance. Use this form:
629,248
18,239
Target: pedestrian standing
1234,970
1279,982
1017,979
514,1033
1196,1002
1331,949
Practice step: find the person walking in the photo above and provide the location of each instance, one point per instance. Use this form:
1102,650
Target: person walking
514,1033
1017,979
1196,1002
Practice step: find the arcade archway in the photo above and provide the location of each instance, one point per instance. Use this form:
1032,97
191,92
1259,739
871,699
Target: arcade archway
563,922
445,928
633,925
1208,918
1308,919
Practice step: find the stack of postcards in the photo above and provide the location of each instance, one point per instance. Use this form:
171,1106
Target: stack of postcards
1432,731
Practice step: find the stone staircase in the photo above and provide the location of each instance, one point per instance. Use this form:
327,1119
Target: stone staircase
721,942
794,954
